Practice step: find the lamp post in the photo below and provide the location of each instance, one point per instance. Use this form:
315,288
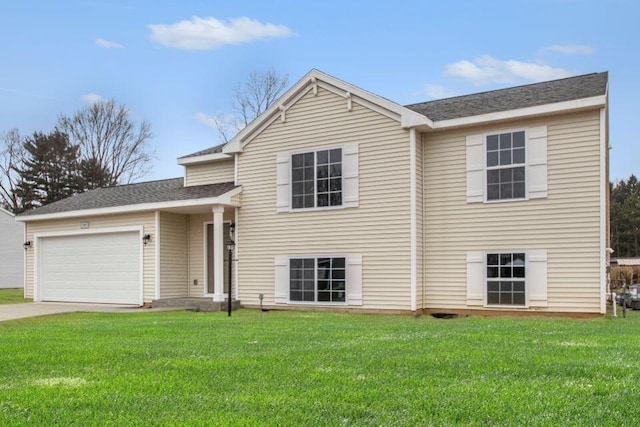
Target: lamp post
230,245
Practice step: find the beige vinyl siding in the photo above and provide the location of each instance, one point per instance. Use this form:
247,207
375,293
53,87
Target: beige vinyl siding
210,173
419,225
197,252
378,229
566,224
145,219
173,256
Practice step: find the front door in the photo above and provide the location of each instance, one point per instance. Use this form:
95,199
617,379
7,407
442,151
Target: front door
210,254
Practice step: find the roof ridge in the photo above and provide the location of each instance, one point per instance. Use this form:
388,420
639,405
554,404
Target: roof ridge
140,183
508,88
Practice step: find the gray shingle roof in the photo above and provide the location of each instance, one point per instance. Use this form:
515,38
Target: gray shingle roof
212,150
133,194
568,89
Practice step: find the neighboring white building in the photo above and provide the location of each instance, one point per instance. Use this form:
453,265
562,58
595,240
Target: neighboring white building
11,251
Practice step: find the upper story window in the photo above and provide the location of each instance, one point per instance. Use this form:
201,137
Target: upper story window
505,164
316,179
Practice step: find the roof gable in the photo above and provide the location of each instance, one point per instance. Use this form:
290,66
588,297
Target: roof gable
310,83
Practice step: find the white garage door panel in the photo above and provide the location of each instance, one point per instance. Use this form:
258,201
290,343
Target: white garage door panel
102,268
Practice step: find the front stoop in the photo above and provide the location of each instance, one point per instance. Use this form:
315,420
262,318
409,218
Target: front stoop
195,304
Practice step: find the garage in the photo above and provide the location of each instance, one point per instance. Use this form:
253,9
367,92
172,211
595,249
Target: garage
96,267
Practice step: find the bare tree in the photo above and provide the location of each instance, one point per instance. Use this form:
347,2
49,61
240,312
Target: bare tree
115,145
251,98
12,154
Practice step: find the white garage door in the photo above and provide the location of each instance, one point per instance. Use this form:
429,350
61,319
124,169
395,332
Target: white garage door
102,268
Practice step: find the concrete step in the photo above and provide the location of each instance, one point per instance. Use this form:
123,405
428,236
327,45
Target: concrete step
195,304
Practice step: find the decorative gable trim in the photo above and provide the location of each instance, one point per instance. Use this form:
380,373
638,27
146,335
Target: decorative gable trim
310,83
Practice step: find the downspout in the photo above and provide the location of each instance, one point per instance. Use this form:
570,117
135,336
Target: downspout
24,262
413,218
422,226
604,203
188,231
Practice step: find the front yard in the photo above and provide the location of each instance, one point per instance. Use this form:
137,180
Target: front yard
308,368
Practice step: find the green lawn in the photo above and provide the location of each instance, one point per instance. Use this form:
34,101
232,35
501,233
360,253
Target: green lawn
317,369
12,296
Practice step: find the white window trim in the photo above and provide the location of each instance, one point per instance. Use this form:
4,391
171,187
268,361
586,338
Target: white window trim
315,179
525,164
315,279
526,279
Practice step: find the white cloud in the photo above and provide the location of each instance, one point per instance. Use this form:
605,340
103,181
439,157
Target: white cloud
437,92
569,49
92,98
487,69
211,33
222,121
108,44
206,120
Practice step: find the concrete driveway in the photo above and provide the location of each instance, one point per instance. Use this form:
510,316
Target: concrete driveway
34,309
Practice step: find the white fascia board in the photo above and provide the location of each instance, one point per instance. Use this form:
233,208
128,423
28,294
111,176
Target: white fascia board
224,199
203,159
408,116
566,106
411,119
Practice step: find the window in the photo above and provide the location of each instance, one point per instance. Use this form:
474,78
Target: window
319,279
506,279
506,166
316,179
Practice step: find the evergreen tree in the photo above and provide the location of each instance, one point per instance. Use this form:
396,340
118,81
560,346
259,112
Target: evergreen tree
93,175
49,171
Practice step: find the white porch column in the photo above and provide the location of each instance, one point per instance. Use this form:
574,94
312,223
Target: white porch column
218,253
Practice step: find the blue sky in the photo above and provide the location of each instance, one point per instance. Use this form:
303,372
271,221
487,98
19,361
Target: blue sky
174,63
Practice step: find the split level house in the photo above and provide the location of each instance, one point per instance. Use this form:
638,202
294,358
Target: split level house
339,198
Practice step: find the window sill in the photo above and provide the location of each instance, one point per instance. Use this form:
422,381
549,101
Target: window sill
318,304
507,307
521,199
322,208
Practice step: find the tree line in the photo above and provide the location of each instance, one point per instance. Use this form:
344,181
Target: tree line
100,145
625,217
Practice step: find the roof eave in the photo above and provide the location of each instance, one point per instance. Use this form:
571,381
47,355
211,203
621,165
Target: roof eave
223,199
205,158
595,102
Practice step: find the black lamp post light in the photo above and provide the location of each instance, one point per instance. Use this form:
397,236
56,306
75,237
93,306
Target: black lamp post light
230,246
